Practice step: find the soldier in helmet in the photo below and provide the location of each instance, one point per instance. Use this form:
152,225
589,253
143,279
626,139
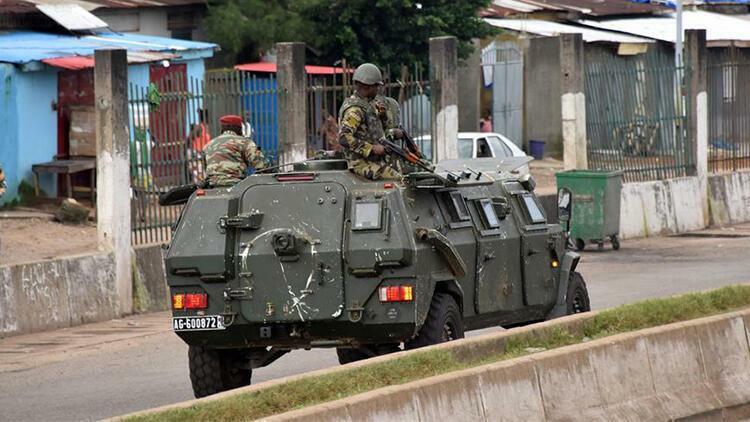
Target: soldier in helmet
390,114
230,155
361,129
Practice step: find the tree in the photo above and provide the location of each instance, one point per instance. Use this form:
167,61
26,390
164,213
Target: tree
248,28
391,32
386,32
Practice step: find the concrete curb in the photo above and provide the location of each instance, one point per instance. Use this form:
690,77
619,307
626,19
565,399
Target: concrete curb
698,369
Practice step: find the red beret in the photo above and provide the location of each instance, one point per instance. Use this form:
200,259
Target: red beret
231,120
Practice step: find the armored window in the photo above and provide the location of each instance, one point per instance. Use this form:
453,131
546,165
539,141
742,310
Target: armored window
489,216
367,215
532,209
457,207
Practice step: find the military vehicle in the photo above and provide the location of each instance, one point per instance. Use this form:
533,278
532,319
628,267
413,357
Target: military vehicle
317,257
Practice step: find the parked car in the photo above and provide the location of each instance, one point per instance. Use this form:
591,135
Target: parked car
479,145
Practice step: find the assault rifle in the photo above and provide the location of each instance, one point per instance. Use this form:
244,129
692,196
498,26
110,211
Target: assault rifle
408,156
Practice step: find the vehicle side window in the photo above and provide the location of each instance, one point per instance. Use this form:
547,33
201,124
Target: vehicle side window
533,210
457,208
501,150
489,217
483,148
465,148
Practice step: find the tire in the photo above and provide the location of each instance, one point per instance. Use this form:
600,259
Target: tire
444,323
577,298
580,244
615,242
213,371
349,355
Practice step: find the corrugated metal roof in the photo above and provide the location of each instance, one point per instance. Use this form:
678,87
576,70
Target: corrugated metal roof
586,7
550,29
28,46
114,4
72,17
719,28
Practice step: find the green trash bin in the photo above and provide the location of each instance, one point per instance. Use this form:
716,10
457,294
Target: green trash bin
596,206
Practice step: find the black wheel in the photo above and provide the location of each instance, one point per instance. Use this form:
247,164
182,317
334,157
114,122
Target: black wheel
444,323
615,242
580,244
578,296
213,371
349,355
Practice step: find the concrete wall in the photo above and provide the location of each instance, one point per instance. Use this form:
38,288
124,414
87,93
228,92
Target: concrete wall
674,205
150,291
697,370
729,198
661,207
146,21
76,290
58,293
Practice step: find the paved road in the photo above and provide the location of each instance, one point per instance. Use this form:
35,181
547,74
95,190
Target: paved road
117,367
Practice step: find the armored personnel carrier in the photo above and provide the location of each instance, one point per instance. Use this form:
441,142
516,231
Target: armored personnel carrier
318,257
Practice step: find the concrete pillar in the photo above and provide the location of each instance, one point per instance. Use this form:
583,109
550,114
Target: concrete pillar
469,90
113,167
292,85
696,59
444,86
573,102
542,79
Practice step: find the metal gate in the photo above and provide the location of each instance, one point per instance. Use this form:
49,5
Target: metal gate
635,122
507,92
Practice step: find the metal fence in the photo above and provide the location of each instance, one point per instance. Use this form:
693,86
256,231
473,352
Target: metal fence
728,109
409,85
172,119
636,122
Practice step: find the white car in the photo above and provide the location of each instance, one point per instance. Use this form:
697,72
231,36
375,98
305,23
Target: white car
478,145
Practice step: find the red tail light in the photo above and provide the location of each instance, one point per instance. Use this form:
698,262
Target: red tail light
190,301
396,293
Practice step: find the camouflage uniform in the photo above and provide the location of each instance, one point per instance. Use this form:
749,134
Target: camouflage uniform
3,186
389,112
360,128
228,157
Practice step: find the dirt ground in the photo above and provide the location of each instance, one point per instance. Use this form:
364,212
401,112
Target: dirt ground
33,239
544,174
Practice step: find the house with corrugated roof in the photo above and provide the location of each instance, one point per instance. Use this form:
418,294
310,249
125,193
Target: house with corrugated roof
46,77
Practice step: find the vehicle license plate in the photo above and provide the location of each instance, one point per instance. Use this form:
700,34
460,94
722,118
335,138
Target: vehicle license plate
198,323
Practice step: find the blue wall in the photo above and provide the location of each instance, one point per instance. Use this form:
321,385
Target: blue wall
37,124
28,125
8,129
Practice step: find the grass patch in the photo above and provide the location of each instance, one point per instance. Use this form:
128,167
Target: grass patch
306,392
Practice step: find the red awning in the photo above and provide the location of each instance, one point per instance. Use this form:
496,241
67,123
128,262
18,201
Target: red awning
86,62
265,67
71,62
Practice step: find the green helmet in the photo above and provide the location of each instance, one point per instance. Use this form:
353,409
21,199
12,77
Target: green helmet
368,74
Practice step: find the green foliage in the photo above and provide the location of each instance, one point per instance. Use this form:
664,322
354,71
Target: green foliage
333,386
248,28
386,32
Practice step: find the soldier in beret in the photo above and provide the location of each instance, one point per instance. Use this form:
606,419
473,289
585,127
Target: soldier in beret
230,155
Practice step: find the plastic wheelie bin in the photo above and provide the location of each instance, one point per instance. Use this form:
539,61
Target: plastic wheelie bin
596,206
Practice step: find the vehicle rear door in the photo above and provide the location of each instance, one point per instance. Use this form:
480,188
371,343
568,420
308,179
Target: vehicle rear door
292,264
